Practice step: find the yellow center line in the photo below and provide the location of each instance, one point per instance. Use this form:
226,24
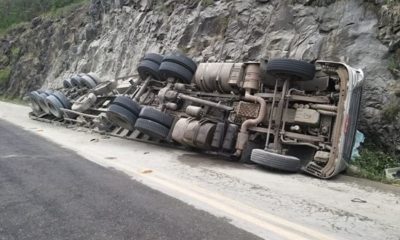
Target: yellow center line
232,206
266,221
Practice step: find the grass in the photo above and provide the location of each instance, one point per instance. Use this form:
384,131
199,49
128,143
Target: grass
372,164
4,75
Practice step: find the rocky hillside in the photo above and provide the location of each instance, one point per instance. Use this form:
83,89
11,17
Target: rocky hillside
110,36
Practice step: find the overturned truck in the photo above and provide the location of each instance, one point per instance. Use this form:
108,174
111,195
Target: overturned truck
283,114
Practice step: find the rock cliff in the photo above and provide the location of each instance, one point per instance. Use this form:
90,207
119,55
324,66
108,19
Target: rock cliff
110,36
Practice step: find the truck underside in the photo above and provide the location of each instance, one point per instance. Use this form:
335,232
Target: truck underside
283,114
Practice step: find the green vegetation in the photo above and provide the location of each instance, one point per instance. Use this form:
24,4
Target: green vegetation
372,163
22,25
15,52
207,3
65,10
4,75
391,2
394,65
13,12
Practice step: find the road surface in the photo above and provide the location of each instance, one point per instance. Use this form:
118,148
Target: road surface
266,204
48,192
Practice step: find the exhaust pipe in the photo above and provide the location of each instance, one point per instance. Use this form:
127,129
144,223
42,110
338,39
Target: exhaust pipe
251,82
243,136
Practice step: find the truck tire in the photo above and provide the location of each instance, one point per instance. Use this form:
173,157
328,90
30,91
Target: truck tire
67,83
121,117
42,101
76,81
157,116
276,161
87,81
128,103
151,128
63,99
94,77
154,57
302,70
148,68
54,105
34,97
182,60
174,70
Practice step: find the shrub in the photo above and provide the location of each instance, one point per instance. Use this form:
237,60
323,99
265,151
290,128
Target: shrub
15,11
4,75
373,162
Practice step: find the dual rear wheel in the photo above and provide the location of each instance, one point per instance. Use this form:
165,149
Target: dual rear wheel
83,80
160,67
128,114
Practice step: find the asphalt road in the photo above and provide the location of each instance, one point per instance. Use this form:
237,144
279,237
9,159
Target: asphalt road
48,192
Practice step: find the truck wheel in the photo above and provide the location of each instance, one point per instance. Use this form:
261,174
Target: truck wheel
157,116
87,81
67,83
42,101
151,128
54,105
174,70
94,77
182,60
76,81
148,68
276,161
154,57
63,99
300,69
128,103
34,97
121,117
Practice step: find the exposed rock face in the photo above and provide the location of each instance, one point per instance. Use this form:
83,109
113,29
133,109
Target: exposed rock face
109,38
